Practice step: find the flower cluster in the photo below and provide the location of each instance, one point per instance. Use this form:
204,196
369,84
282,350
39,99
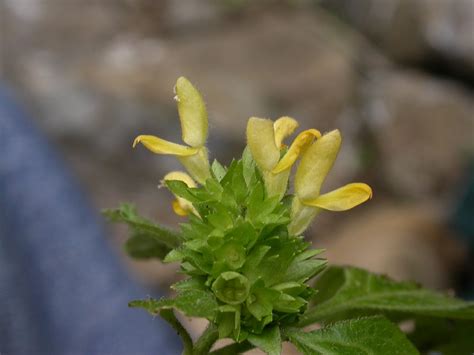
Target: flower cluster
246,261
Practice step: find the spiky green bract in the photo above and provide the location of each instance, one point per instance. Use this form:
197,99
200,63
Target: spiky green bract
147,239
245,272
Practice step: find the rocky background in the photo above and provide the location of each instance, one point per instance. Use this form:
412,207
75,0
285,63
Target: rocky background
396,76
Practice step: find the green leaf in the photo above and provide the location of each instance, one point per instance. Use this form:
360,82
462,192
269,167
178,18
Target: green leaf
269,341
308,254
173,256
195,229
463,345
289,304
198,260
268,206
214,188
253,261
141,246
127,214
260,210
243,233
220,218
239,187
228,318
194,283
255,200
153,306
261,300
291,288
249,167
275,267
193,303
197,303
301,271
179,188
442,336
366,336
218,170
232,254
344,292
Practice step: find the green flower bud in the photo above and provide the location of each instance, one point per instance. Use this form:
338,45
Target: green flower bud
231,287
232,254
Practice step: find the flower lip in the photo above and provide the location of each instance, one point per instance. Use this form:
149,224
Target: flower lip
284,127
299,145
161,146
343,198
315,164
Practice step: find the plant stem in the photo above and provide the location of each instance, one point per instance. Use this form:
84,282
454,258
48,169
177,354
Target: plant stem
233,349
169,316
207,340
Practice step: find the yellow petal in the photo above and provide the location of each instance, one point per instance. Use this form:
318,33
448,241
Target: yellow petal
261,142
197,165
284,127
301,217
299,145
276,184
161,146
181,206
344,198
315,164
192,113
178,208
180,176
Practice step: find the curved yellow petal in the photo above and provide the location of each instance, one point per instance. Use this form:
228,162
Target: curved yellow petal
316,162
342,199
299,145
261,142
180,176
178,208
181,206
284,127
192,113
161,146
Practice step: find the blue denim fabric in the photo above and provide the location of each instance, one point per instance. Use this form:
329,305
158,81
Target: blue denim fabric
62,290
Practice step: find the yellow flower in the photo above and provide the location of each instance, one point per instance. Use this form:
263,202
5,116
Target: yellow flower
181,206
265,141
315,165
193,118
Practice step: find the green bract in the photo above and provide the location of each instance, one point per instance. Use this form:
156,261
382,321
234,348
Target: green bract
239,251
247,267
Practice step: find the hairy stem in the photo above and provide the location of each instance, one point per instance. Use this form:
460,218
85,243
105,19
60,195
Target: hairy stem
206,341
233,349
169,316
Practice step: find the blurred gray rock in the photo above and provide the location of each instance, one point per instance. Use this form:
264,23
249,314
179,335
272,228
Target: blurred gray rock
183,14
405,242
418,31
423,128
